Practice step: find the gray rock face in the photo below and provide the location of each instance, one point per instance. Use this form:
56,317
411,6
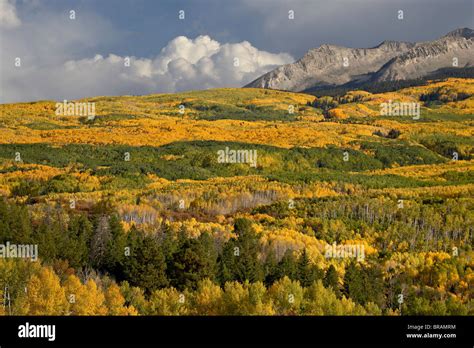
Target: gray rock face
330,65
426,57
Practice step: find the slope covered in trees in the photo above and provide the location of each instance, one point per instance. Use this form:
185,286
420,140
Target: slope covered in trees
346,211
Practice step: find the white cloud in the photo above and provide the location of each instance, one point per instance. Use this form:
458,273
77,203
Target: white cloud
52,67
8,17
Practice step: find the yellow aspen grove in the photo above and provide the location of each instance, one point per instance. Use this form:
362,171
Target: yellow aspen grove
84,299
115,302
45,296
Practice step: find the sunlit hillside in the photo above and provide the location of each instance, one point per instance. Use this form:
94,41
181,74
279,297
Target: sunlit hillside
145,171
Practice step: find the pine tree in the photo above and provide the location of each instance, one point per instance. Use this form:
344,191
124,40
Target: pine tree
146,265
270,267
353,283
331,279
115,252
76,241
363,284
288,266
207,249
307,273
194,260
246,265
225,262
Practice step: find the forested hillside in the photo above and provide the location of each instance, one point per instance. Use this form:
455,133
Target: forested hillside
345,212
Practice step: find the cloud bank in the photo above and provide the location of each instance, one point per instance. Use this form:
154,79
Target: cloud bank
8,17
51,66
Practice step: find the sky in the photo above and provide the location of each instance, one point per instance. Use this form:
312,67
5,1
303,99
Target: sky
46,54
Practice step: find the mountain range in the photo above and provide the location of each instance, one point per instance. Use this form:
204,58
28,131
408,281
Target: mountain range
330,65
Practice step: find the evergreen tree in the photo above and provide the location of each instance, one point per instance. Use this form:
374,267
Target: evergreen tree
353,283
307,273
48,239
75,242
146,265
270,267
225,263
246,265
116,247
363,284
331,279
15,223
195,260
288,266
240,256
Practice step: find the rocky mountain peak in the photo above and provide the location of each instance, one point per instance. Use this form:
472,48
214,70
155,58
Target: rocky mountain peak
466,33
331,65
